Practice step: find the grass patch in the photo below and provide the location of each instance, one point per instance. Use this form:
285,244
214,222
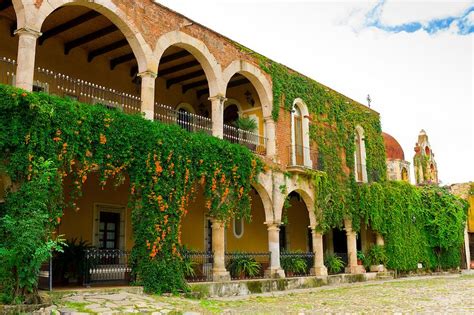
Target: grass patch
78,306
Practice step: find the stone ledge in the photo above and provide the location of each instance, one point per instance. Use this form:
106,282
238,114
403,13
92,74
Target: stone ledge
247,287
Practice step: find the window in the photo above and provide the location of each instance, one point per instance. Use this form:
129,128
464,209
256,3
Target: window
238,227
109,227
300,146
360,171
404,174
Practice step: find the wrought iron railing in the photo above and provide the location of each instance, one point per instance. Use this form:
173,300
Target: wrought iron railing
188,121
296,264
105,265
251,140
304,157
243,265
198,266
87,92
7,71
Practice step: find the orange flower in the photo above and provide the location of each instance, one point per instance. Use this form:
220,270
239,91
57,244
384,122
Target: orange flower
158,168
58,220
103,139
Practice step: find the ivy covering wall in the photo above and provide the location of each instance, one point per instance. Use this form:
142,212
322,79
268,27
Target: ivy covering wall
44,139
420,224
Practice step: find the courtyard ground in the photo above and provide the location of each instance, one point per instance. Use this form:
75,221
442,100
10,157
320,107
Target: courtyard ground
454,294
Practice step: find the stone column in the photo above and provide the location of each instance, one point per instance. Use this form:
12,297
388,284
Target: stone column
148,94
379,239
270,134
217,105
26,57
352,266
318,269
467,249
274,270
219,273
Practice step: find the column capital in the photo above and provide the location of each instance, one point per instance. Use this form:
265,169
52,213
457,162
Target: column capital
218,97
147,74
28,31
273,225
268,119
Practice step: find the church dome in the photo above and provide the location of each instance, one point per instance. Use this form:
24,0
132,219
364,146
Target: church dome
393,148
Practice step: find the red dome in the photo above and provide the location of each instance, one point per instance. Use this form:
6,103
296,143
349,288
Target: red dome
392,147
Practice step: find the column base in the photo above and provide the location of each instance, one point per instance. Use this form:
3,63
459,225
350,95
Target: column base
358,269
276,273
220,275
319,271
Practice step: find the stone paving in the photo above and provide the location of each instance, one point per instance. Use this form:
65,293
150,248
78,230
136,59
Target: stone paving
453,294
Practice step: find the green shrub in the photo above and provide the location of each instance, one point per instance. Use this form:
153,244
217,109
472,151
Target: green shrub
243,265
294,264
377,256
334,263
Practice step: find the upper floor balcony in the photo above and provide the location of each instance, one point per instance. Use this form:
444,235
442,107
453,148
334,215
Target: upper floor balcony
302,158
64,85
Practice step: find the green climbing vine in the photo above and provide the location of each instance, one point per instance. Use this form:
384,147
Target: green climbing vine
420,224
164,165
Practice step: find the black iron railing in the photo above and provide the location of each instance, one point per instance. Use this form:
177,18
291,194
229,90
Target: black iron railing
198,266
242,265
104,265
188,121
251,140
304,157
296,264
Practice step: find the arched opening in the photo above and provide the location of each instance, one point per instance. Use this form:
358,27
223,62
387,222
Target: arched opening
427,151
243,116
298,135
9,46
248,240
296,242
182,79
432,172
82,55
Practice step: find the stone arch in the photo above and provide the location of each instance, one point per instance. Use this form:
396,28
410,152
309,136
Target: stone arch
187,107
303,108
258,80
309,202
266,201
142,51
200,51
21,14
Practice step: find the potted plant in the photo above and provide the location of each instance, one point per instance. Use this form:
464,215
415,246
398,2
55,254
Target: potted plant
334,263
69,264
360,258
242,266
377,258
250,125
293,264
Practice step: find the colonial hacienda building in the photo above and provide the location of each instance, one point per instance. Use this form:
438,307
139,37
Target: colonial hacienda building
139,56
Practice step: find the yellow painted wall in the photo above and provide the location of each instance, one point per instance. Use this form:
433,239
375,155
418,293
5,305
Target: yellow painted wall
471,215
255,236
77,224
192,227
238,93
297,229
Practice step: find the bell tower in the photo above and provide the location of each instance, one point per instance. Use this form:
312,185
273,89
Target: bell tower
426,170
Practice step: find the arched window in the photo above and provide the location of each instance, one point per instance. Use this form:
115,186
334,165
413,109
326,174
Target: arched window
404,174
238,227
298,132
300,150
360,171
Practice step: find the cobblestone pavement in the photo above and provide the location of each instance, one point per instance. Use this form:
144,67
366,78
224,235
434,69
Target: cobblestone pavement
454,294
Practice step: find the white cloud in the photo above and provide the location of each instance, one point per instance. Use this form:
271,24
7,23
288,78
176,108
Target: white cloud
401,12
